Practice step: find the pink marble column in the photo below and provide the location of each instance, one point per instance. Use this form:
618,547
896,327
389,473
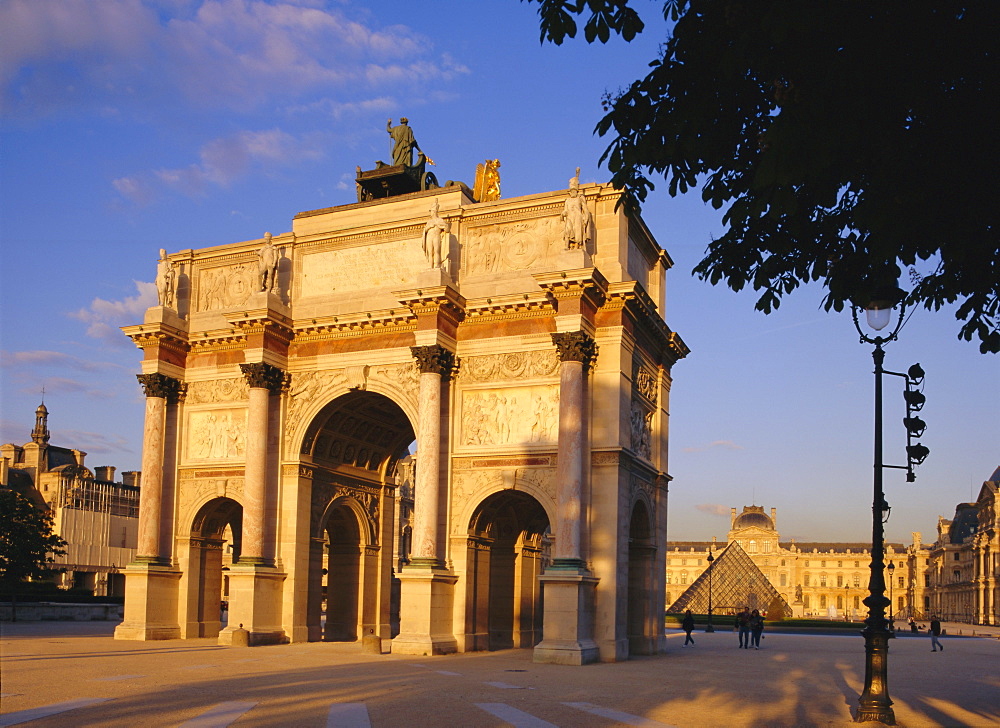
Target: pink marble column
264,380
159,389
576,352
435,364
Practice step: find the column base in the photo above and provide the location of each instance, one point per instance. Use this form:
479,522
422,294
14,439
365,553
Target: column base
425,617
255,604
568,622
151,592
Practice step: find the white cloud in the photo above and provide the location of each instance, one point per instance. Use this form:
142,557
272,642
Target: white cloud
103,318
723,444
91,442
715,509
235,54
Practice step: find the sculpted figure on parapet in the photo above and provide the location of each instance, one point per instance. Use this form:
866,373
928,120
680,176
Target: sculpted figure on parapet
403,142
267,266
576,218
166,280
435,233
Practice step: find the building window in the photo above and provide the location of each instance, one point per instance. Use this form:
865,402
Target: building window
822,601
958,556
822,579
822,564
899,604
784,580
840,602
840,579
927,602
699,562
807,564
857,602
753,546
957,574
782,562
805,601
807,580
840,564
857,580
857,564
900,583
927,580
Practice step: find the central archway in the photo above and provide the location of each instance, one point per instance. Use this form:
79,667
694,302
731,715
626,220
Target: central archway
353,447
507,550
215,540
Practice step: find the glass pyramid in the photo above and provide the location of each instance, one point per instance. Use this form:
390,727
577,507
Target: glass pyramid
736,582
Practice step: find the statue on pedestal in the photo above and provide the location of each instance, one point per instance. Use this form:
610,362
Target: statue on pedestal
436,230
267,266
576,218
166,280
403,142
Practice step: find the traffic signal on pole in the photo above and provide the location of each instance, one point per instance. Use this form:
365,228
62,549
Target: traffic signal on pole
915,427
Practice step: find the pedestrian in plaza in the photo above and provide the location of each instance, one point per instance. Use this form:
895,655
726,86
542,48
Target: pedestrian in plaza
743,627
756,628
935,632
914,627
687,624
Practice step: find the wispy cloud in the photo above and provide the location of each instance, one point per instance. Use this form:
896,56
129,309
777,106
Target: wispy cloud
714,509
42,358
236,54
103,317
222,161
717,444
92,442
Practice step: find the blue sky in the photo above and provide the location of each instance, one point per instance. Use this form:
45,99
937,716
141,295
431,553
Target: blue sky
129,126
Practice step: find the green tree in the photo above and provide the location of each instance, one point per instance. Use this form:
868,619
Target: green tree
849,141
27,544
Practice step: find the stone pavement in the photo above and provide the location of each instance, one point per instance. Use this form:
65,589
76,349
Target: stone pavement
75,674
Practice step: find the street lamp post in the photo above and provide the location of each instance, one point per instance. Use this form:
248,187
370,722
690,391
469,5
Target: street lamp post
875,703
711,558
892,570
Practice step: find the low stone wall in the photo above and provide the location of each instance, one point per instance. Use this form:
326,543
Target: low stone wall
54,611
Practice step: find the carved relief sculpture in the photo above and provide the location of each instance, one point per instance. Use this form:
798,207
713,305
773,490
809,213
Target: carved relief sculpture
576,217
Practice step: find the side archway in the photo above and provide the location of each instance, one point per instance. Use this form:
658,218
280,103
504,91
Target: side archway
215,542
642,634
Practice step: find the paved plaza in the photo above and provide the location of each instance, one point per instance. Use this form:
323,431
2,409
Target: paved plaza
75,674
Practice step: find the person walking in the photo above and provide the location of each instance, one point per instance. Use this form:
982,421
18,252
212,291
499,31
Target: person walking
743,626
687,624
756,628
935,632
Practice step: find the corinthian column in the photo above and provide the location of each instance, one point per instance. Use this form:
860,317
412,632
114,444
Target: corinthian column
576,352
435,364
264,380
159,389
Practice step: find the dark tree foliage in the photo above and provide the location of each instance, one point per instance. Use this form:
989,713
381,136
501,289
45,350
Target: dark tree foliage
27,544
847,140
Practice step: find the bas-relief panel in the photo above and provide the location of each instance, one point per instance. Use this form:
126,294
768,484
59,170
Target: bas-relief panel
514,365
510,416
216,434
509,247
382,265
235,389
225,286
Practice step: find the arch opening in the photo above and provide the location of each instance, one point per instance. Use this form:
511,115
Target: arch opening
642,635
214,545
507,549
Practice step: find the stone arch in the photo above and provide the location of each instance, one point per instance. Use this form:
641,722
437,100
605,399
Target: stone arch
642,634
506,550
352,444
204,562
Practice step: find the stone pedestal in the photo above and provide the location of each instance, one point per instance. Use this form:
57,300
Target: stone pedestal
568,629
434,277
255,603
426,598
150,603
164,315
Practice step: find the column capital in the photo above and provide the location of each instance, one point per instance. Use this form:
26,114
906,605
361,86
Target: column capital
576,346
435,359
160,385
264,376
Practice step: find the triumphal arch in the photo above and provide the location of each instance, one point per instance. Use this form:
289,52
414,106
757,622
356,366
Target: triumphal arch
435,417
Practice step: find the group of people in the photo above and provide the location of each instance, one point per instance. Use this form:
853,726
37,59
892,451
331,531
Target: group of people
749,625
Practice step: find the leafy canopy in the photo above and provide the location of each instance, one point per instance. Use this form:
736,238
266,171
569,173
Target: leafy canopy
27,544
847,140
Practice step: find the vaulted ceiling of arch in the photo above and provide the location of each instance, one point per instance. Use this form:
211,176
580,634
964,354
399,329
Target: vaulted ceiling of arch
363,433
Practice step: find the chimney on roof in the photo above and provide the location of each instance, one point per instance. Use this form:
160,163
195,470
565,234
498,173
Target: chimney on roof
105,473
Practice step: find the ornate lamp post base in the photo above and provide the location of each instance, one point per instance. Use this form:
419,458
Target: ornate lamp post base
875,703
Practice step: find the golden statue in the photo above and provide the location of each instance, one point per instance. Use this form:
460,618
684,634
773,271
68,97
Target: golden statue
487,185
